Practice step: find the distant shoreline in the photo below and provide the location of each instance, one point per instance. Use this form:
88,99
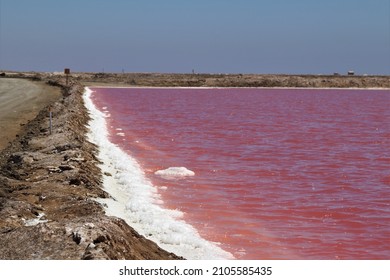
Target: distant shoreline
216,80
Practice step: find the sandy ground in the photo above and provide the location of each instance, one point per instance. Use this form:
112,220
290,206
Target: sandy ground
20,101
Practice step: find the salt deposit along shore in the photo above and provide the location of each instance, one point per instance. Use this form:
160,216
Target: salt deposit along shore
50,184
134,198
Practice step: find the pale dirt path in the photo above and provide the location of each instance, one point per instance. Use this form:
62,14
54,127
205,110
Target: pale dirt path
20,101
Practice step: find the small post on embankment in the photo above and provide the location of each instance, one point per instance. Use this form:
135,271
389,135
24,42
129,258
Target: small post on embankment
67,73
50,120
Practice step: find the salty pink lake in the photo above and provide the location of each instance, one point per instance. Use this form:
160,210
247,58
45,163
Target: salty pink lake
279,173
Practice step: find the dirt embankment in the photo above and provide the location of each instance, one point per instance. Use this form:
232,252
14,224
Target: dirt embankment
48,183
221,80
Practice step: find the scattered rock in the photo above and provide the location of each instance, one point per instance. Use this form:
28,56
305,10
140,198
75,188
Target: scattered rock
75,181
100,239
53,169
15,158
63,148
76,237
66,167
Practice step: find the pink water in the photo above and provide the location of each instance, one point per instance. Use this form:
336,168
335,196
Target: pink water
279,173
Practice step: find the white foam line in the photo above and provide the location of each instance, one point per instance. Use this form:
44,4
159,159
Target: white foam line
137,201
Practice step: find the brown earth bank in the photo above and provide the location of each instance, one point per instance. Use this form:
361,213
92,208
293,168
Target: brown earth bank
221,80
48,185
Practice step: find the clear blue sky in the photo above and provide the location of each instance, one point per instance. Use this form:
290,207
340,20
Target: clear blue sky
210,36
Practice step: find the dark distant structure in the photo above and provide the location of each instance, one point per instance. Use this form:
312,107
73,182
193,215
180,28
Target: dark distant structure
67,73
